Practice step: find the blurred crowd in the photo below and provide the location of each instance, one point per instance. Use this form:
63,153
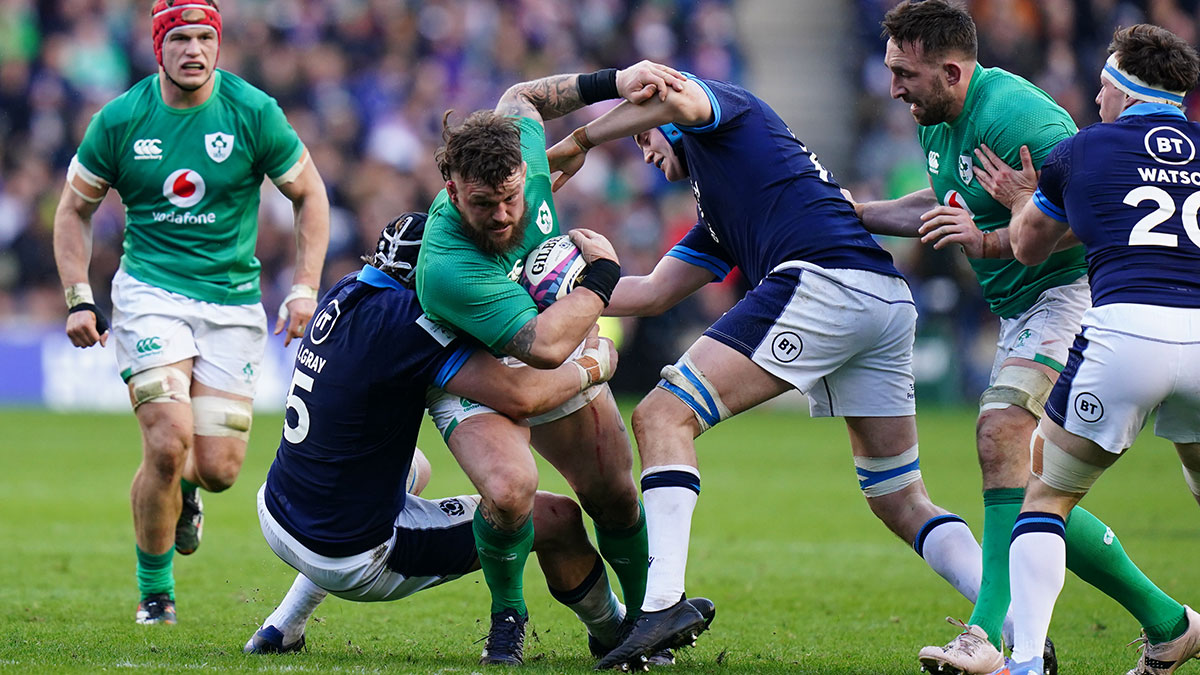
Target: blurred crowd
365,83
1060,46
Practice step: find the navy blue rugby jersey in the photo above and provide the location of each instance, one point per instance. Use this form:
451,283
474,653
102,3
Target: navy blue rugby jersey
763,199
353,411
1130,190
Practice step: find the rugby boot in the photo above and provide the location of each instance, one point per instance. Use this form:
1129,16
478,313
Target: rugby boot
671,628
969,653
663,657
1165,657
156,608
190,525
269,640
1031,667
1049,659
506,640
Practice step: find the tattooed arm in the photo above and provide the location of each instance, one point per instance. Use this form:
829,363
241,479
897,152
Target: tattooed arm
543,99
557,95
548,339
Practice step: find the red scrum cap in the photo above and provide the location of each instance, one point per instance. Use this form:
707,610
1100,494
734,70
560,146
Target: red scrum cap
167,15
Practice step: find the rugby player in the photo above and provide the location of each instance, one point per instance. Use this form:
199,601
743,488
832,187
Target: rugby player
334,505
496,208
971,118
1127,189
187,149
828,315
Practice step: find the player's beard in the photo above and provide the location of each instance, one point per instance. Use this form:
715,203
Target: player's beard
488,245
935,109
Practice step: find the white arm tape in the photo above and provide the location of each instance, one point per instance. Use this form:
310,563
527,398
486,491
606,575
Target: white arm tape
294,172
298,291
78,294
594,366
76,169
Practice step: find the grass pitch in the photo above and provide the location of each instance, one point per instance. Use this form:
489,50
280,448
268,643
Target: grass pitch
805,579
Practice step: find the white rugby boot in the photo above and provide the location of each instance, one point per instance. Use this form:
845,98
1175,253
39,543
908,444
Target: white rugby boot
1165,657
969,653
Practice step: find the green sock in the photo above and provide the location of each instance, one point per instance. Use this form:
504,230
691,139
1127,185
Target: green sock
502,556
628,552
1095,555
1000,509
186,486
156,573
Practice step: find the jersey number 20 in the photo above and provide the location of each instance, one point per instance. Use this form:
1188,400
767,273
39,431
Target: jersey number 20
1143,233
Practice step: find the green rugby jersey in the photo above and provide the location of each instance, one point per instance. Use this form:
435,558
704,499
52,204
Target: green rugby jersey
1004,112
475,292
190,181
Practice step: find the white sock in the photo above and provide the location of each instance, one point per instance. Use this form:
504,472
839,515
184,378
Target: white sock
951,550
668,528
1037,565
291,616
599,609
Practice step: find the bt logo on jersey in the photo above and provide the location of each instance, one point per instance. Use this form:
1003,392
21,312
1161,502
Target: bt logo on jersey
1168,145
184,188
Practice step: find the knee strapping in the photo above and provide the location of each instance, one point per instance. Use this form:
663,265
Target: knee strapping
220,416
1060,469
879,476
689,385
164,384
1021,386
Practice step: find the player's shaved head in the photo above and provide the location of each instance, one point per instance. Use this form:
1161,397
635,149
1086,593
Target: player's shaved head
939,27
485,148
1156,55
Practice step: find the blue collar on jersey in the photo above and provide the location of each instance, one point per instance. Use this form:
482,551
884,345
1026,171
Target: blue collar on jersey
372,276
1152,109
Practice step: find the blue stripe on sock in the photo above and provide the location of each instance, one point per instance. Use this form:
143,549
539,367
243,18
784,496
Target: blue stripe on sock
919,541
1037,521
664,479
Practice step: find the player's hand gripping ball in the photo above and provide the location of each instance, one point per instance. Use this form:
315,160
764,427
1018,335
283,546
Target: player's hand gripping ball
552,270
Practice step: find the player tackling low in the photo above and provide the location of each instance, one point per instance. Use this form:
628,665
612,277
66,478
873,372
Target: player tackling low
1129,189
187,149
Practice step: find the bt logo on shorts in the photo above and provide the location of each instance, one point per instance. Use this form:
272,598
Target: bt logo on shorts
786,346
147,148
1088,407
147,345
184,188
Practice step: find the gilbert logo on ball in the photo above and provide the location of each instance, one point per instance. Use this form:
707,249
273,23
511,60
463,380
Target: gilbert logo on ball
552,270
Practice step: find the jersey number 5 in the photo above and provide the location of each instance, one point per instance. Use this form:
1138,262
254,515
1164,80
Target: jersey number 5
1143,233
297,434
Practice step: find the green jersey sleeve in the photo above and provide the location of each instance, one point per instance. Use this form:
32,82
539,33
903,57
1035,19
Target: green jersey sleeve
279,147
478,300
1032,119
533,147
96,152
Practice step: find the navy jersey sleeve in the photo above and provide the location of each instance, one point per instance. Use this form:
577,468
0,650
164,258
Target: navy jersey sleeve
1050,196
698,248
729,104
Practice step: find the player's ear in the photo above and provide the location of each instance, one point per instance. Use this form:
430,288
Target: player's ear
452,192
953,72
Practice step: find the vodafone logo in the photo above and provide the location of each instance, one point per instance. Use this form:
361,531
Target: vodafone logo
954,198
184,188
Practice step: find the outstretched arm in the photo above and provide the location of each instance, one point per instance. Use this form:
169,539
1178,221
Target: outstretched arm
311,206
897,217
670,281
556,95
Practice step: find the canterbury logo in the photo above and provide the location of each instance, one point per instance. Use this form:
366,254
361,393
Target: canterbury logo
147,148
149,344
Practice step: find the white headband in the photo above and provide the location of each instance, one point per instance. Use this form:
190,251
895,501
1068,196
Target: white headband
1136,87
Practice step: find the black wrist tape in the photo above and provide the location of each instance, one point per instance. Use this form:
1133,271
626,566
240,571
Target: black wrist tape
601,278
101,320
598,86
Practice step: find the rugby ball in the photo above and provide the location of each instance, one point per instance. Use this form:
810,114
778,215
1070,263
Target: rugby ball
552,270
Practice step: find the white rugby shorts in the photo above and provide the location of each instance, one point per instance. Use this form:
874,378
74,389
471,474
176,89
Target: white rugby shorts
447,410
842,337
1128,361
428,546
155,327
1044,332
